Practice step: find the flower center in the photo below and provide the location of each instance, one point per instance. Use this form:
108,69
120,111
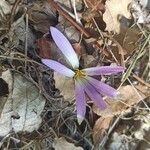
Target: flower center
78,73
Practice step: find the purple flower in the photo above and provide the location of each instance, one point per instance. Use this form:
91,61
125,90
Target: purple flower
84,83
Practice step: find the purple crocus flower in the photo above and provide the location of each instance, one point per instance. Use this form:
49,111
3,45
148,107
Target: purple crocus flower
84,83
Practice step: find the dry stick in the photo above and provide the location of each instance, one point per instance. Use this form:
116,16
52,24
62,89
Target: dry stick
20,59
26,42
4,139
75,11
140,80
130,68
69,18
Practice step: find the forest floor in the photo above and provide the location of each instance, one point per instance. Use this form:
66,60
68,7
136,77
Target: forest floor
37,105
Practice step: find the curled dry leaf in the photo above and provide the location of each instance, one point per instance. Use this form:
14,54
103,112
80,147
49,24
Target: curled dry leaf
62,144
44,47
22,108
100,127
127,97
114,10
65,85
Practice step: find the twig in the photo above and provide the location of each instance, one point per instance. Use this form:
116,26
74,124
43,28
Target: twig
26,41
140,80
4,139
20,59
75,11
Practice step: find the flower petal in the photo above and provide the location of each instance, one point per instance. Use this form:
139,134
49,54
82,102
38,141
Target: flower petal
102,87
65,46
80,101
104,70
58,67
93,94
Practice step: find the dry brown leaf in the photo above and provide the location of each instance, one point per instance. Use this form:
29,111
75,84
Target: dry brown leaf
125,43
100,127
65,85
128,97
114,9
128,39
44,47
22,107
62,144
41,16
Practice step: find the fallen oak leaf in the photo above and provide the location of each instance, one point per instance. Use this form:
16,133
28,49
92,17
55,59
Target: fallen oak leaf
128,98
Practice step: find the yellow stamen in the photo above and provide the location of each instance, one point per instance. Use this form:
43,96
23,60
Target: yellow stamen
78,73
